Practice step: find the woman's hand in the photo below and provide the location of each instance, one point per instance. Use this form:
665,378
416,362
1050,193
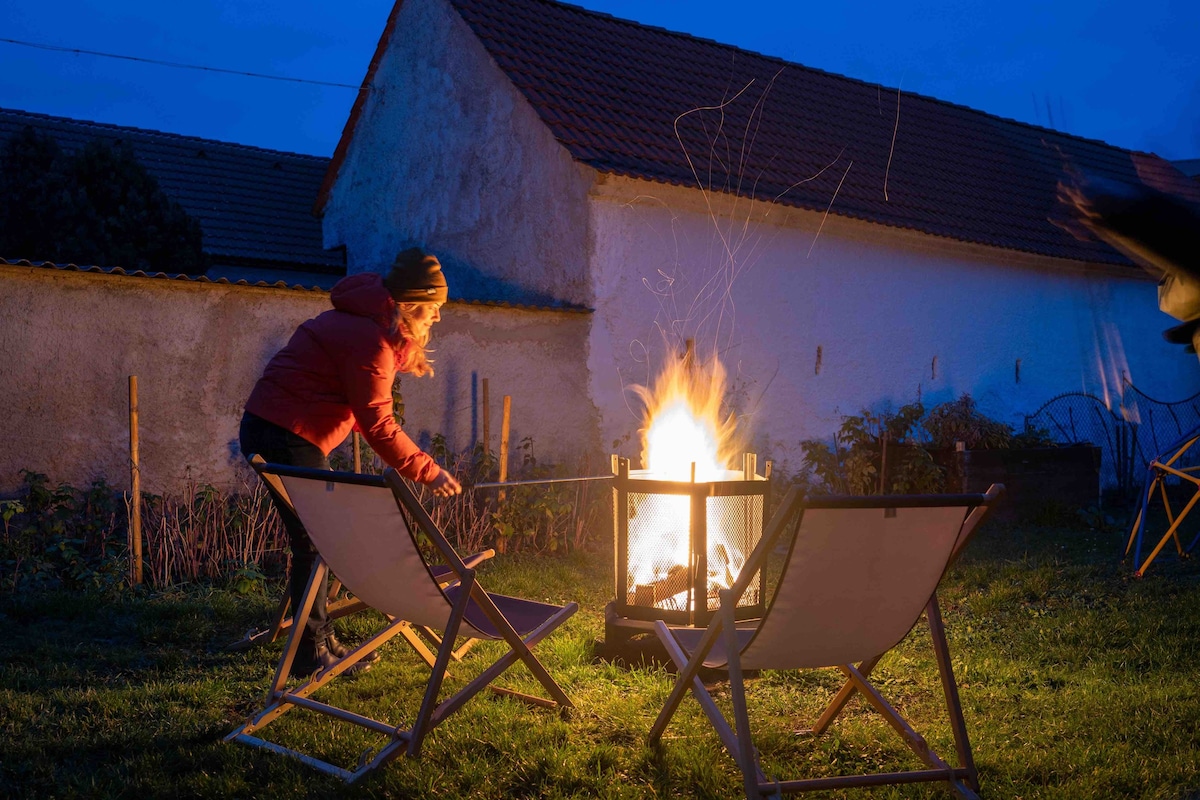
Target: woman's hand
444,485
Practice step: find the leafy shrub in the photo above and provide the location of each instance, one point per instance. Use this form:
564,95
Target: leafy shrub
899,446
855,462
60,536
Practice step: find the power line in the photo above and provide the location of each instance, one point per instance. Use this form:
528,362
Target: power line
177,65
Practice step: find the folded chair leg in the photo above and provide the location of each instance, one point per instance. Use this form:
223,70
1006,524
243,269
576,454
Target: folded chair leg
299,621
689,678
1168,535
428,704
843,697
274,706
962,743
436,640
914,740
519,645
745,754
485,678
1139,522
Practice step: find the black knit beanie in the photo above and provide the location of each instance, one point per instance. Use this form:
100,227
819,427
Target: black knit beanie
416,277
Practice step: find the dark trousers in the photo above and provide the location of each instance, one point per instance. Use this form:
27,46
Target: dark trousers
280,446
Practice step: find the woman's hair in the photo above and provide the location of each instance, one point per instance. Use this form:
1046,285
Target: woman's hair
418,362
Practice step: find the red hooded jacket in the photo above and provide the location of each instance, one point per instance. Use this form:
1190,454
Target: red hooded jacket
337,369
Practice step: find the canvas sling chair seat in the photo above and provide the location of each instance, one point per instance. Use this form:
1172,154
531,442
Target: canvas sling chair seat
365,529
857,575
341,603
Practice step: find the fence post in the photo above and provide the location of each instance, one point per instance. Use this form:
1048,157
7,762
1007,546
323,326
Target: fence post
487,420
135,480
504,420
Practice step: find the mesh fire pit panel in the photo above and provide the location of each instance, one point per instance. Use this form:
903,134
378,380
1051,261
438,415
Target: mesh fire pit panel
678,544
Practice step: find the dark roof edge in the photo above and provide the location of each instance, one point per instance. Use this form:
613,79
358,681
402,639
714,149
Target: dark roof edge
1118,262
360,100
120,271
232,260
137,273
117,129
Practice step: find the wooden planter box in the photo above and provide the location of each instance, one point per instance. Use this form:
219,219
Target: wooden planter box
1036,480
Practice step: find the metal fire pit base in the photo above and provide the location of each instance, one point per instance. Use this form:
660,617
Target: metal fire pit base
633,642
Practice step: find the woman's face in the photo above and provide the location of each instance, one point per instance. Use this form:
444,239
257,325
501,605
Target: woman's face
420,317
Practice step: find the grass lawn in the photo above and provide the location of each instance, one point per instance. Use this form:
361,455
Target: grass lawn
1077,682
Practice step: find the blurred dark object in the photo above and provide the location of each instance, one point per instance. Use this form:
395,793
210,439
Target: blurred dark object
1157,230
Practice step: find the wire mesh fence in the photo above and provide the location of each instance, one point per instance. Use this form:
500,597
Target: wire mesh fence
1129,437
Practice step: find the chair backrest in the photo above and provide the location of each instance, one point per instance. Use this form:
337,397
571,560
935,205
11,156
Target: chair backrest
356,525
858,573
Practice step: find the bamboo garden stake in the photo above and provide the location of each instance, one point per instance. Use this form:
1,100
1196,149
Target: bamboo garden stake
504,442
135,479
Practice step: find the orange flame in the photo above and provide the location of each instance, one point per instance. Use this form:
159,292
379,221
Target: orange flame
685,431
684,422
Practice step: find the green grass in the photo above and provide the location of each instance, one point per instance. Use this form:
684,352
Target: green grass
1077,682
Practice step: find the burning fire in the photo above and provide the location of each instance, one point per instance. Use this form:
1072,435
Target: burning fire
684,425
685,439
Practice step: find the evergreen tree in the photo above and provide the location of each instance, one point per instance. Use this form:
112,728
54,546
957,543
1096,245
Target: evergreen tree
98,206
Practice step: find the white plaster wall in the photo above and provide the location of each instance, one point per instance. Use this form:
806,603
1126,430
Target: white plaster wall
758,283
447,154
532,356
69,341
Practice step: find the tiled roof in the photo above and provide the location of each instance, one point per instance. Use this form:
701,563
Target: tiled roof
254,205
643,102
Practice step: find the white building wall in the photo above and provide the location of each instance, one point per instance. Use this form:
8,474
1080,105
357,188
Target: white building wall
447,154
897,316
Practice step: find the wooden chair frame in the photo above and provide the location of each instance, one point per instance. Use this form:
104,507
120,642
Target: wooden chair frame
281,621
469,595
962,779
1164,466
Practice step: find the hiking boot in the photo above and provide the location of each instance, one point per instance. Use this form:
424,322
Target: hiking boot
314,656
340,650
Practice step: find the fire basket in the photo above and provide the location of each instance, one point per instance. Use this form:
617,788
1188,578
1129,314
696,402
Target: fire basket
679,543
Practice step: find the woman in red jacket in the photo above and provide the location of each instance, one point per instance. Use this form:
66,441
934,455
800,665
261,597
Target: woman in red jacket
335,374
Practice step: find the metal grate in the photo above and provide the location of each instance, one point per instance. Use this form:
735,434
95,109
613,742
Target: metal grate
659,551
679,543
1141,429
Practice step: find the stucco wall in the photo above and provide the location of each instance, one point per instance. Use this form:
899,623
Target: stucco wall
897,316
69,341
535,357
448,155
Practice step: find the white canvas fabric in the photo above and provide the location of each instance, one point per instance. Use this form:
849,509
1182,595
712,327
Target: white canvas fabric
855,583
366,542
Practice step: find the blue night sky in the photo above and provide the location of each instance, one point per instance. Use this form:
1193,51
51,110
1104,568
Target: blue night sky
1125,72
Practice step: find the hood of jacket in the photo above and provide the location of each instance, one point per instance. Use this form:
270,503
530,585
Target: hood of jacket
364,295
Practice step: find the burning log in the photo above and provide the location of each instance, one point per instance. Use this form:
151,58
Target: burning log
662,591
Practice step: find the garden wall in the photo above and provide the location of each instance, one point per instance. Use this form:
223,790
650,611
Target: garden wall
70,339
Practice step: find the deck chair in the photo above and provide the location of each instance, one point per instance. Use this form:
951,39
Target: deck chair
345,604
365,528
857,574
1163,468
